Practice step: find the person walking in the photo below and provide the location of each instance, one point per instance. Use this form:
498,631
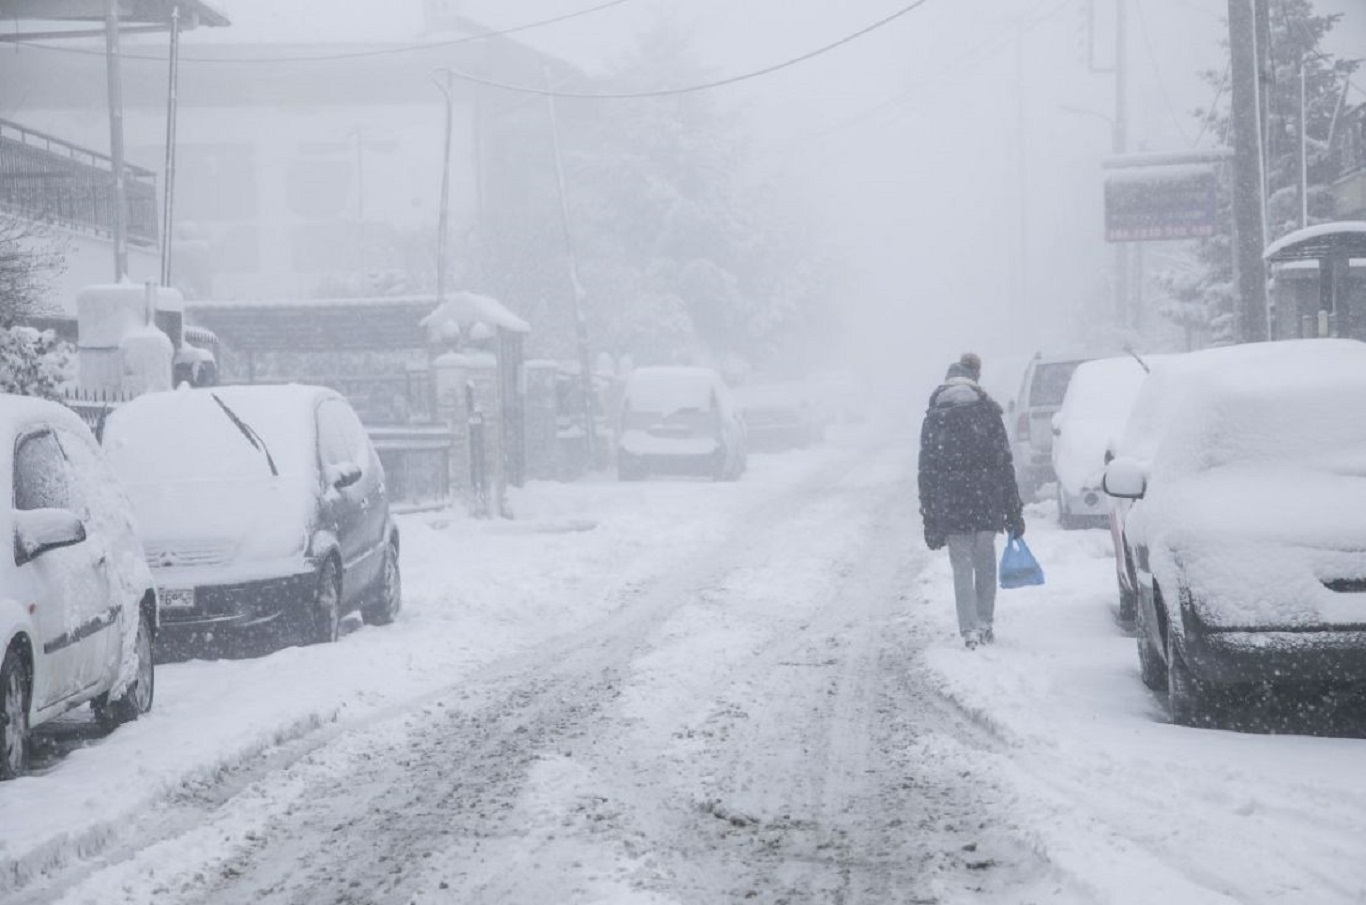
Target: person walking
968,492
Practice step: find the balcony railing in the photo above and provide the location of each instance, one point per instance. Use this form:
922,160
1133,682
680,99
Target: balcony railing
45,178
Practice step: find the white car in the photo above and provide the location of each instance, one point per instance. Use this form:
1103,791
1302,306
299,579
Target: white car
1243,477
261,507
78,610
1093,414
679,420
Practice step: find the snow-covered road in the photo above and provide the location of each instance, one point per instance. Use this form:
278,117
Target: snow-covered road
681,692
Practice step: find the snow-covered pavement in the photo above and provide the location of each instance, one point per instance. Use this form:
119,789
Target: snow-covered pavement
679,691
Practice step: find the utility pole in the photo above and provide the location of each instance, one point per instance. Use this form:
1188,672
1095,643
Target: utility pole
114,75
576,287
1304,142
1249,237
1120,145
168,175
448,90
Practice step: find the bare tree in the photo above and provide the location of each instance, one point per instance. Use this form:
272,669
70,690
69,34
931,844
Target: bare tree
29,259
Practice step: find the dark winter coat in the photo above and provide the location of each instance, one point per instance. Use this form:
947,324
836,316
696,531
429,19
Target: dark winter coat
967,478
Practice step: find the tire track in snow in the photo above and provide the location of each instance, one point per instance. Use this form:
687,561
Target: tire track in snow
299,808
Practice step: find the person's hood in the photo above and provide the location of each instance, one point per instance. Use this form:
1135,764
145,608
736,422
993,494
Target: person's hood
958,391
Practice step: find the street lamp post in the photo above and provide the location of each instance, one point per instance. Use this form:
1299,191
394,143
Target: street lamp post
447,87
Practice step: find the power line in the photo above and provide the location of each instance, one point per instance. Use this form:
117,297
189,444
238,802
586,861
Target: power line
1157,70
347,55
991,45
689,89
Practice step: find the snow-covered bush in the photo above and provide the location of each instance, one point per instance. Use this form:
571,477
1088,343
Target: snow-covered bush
33,362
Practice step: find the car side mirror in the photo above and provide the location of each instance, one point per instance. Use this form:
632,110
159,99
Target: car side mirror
343,475
1125,479
39,531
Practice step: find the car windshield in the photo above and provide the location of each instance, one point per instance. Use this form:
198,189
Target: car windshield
187,437
1050,382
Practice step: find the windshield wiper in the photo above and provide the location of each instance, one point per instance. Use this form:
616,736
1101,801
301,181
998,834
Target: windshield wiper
253,438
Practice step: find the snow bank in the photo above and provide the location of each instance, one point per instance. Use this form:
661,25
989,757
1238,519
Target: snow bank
1132,808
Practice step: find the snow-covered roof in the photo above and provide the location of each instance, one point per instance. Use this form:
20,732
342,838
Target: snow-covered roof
464,308
1320,240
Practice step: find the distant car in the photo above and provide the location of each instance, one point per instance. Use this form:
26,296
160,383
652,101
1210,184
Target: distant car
78,611
679,420
777,417
1094,411
1246,519
1031,434
258,506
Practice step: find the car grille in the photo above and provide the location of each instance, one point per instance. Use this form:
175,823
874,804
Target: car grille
207,553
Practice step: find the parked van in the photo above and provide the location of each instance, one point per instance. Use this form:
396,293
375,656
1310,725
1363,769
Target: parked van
1041,393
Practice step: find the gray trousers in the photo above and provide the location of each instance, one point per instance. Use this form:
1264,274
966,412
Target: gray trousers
974,578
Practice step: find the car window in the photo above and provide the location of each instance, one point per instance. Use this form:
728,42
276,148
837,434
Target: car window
42,477
341,438
1050,382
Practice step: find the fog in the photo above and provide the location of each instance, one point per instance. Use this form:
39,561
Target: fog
948,163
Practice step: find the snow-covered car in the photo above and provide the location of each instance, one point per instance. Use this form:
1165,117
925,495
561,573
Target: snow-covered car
1031,437
78,609
679,420
1246,530
1094,411
777,416
258,506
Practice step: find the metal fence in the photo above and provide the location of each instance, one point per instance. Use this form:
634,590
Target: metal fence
47,179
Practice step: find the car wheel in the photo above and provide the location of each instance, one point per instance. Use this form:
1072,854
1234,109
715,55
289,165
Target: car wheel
15,691
1128,603
719,471
1187,699
322,616
1151,669
388,593
137,697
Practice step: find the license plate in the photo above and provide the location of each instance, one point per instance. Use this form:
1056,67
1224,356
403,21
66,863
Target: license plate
177,598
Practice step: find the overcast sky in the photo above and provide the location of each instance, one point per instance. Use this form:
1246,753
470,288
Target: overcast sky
956,163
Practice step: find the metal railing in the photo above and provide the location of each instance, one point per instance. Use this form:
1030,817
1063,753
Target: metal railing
45,178
417,465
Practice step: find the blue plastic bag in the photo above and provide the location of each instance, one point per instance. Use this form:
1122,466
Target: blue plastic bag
1019,568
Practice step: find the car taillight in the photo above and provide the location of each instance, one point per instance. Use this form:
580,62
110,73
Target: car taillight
1022,426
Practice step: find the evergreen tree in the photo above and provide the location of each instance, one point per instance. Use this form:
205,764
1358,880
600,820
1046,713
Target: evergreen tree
1202,298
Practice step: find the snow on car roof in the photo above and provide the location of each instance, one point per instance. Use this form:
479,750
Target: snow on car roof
16,411
1286,401
1101,388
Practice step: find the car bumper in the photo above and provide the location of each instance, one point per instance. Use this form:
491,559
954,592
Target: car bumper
236,606
1330,656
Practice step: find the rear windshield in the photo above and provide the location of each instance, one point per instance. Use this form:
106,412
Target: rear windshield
1050,382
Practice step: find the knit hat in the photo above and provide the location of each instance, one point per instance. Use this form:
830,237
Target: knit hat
972,364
